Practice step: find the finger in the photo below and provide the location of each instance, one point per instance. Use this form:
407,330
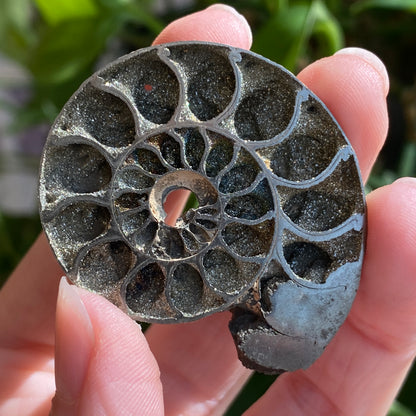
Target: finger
199,367
31,318
200,371
174,205
73,349
103,363
28,299
218,23
27,380
353,84
361,370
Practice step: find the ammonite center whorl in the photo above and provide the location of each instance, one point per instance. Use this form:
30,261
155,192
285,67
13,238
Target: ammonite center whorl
277,236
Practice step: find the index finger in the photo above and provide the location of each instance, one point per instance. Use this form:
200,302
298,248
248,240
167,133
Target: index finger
355,92
353,84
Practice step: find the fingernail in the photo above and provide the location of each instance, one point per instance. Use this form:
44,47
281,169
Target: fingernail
68,296
408,180
74,341
372,60
226,8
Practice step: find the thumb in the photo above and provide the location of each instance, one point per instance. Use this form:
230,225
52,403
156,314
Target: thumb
103,364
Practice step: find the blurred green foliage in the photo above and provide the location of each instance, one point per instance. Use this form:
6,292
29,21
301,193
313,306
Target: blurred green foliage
294,24
16,236
61,42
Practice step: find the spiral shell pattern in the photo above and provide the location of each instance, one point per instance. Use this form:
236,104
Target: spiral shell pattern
279,195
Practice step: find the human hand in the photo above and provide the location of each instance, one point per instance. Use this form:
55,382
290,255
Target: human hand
102,362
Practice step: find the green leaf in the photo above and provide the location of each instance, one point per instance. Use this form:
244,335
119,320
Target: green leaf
67,49
6,243
327,29
140,14
133,10
16,12
407,162
57,11
283,36
397,409
16,236
192,202
16,32
115,4
404,5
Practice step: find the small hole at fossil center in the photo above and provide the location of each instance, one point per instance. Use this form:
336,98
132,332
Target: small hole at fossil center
177,203
168,198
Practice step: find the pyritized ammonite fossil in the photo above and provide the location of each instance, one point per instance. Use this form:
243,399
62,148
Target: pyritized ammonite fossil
277,236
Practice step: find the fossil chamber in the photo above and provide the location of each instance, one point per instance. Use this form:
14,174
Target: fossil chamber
278,232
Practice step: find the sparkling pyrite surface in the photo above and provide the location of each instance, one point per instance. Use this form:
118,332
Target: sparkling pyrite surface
277,236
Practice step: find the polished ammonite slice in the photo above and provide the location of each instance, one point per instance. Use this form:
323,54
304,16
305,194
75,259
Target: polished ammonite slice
277,236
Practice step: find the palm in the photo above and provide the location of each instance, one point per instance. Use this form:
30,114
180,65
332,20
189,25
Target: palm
103,362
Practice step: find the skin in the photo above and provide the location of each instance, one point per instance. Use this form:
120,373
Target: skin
71,351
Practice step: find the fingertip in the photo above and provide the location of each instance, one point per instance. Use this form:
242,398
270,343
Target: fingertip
387,288
355,93
407,182
398,197
392,212
218,23
74,343
371,59
69,302
229,11
123,375
174,205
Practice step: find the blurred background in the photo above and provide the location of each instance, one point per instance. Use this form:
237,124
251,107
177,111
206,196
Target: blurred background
47,48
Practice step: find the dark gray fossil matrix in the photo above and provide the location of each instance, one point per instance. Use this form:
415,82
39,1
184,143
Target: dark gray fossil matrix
278,233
